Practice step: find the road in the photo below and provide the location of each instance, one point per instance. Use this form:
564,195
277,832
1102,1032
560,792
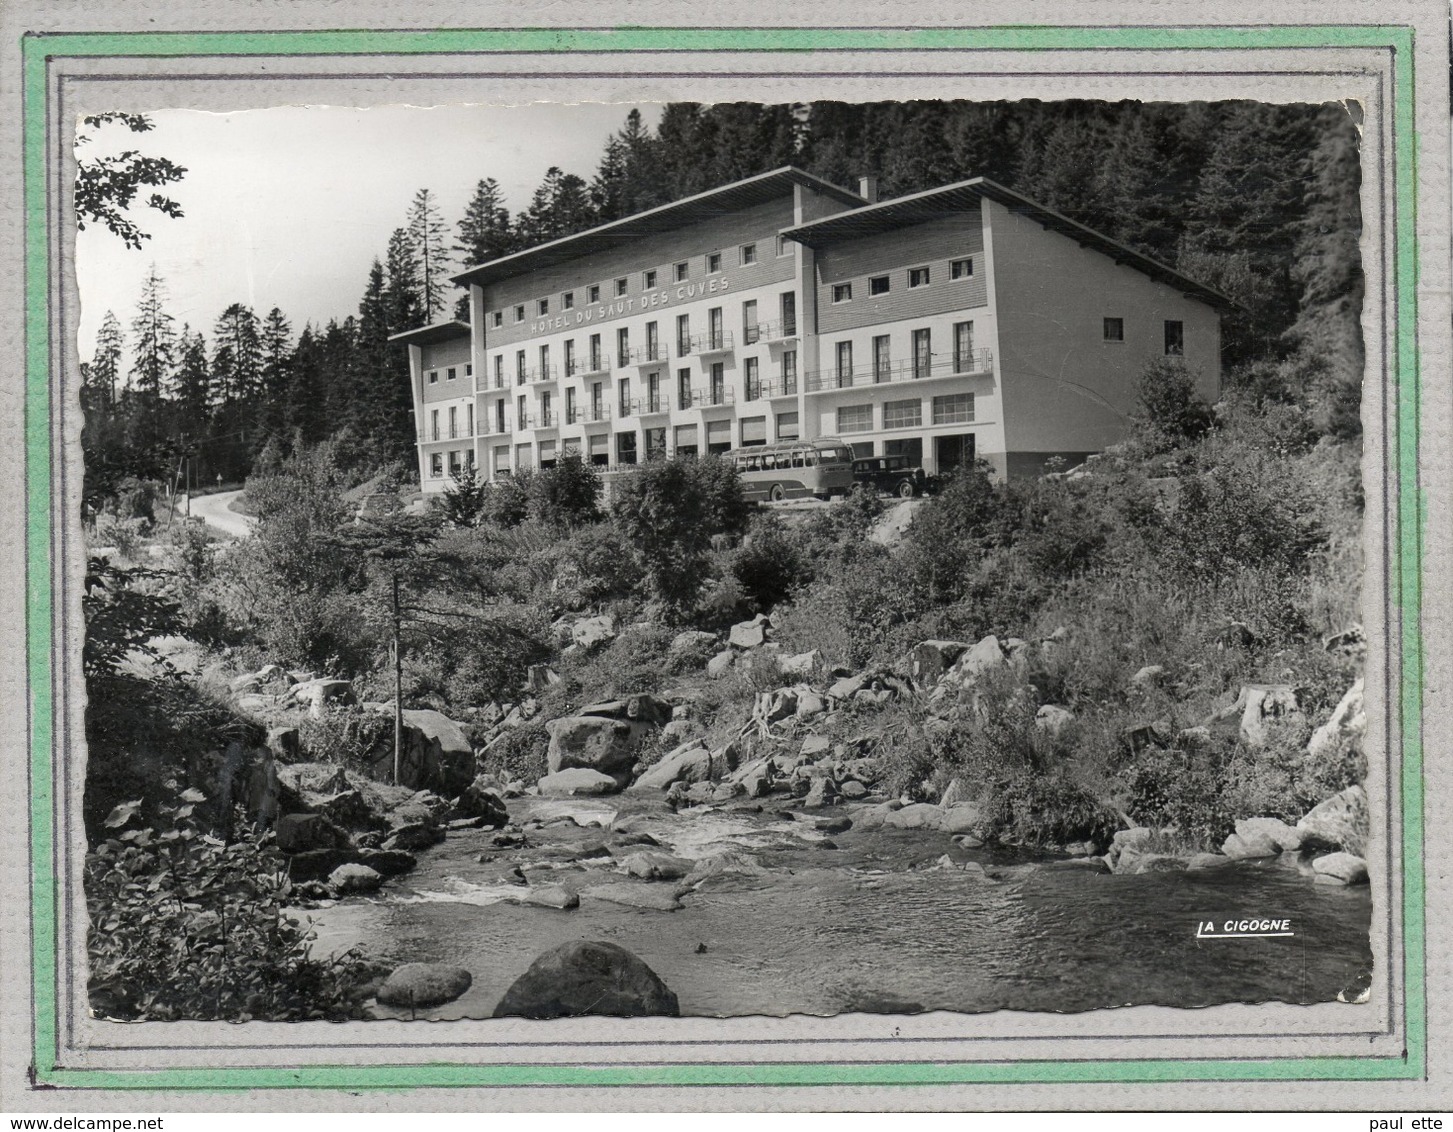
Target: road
214,511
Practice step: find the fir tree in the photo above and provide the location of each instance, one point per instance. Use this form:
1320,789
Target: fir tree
429,237
192,387
276,376
155,341
237,356
484,233
105,366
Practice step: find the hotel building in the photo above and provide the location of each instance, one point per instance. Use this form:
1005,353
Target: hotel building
965,322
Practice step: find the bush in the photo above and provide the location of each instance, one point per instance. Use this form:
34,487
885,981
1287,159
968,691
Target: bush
185,926
1168,401
345,736
769,567
566,495
520,753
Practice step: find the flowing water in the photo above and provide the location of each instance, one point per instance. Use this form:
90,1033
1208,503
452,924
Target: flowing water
868,921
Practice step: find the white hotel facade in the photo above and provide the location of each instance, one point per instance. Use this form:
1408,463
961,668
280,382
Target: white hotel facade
964,322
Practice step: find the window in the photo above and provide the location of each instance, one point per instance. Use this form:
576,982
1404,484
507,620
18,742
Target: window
592,293
681,272
519,367
878,285
789,371
686,440
625,448
882,359
922,353
749,254
784,246
522,419
963,347
499,416
961,268
855,418
844,363
570,417
543,306
433,377
545,362
683,389
451,373
453,422
520,313
499,371
597,402
789,314
623,397
468,369
918,277
753,379
656,443
713,263
469,458
683,334
567,301
547,418
714,328
569,358
863,450
620,286
653,392
842,292
433,424
787,427
499,318
436,465
953,408
1114,330
597,362
903,414
750,333
524,456
653,342
1175,339
754,431
469,419
648,280
718,383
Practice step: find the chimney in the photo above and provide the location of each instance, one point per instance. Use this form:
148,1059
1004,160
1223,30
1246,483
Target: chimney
868,189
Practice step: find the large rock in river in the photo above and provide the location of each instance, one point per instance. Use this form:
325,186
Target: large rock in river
436,753
688,763
1340,822
586,977
575,782
424,984
591,742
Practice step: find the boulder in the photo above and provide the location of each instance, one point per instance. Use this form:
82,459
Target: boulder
424,984
592,632
1151,676
351,878
388,862
800,665
1240,848
656,866
954,793
585,977
847,687
550,896
929,660
810,705
679,731
632,894
853,790
1340,868
1128,840
318,695
755,778
1284,837
750,634
691,649
413,836
591,743
577,781
815,747
540,678
1255,710
436,754
961,817
822,792
772,706
1053,719
689,763
316,864
482,799
299,833
1339,822
285,743
1344,731
921,815
722,663
985,657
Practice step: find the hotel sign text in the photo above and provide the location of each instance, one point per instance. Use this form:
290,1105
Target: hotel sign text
600,312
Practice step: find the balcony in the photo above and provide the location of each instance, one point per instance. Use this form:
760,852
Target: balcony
649,355
708,398
770,332
443,435
703,344
585,414
589,367
547,419
646,406
977,363
484,383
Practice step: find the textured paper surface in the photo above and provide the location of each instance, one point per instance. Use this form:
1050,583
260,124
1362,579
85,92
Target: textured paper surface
794,1050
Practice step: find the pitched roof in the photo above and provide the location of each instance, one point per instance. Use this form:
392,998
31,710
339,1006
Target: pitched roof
677,214
916,208
432,334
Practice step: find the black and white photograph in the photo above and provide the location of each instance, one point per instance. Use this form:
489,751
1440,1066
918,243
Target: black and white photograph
724,559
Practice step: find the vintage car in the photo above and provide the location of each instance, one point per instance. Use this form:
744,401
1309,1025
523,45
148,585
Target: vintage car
897,475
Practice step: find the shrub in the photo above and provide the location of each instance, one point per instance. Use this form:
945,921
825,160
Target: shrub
344,736
566,495
463,501
769,566
507,502
185,926
520,753
1168,401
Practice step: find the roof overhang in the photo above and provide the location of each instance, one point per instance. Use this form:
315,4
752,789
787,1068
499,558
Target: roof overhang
678,214
432,335
919,208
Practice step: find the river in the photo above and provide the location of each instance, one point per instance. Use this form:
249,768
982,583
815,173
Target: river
798,921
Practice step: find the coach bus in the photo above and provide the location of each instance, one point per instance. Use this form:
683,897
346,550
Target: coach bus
794,469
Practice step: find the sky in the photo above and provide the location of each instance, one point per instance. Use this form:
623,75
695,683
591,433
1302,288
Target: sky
288,207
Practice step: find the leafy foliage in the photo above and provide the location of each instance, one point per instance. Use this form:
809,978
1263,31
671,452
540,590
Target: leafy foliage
107,186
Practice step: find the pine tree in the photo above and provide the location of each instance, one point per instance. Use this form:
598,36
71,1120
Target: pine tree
484,233
275,378
403,301
429,237
105,365
237,356
155,338
304,407
192,388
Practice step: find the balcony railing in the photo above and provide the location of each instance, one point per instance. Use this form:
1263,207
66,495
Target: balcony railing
547,418
588,367
975,363
649,355
586,414
774,331
644,406
430,436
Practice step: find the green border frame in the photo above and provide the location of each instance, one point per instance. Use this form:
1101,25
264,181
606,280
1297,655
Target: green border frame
1404,580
